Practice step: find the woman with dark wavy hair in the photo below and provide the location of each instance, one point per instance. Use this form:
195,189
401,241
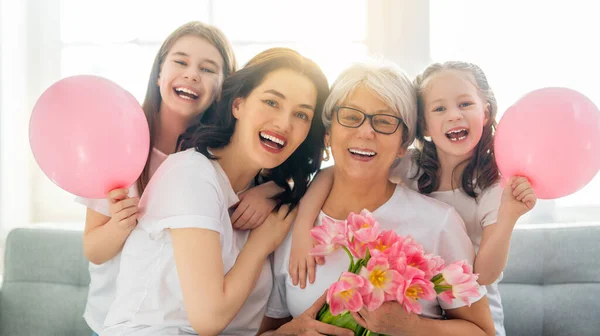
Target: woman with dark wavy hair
184,269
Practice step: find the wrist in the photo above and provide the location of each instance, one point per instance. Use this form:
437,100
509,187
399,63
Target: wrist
116,226
259,248
410,326
507,216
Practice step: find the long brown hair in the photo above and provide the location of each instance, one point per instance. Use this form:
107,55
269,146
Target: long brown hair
153,99
481,169
219,128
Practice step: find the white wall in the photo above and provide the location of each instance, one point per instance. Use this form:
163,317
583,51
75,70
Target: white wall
399,31
15,197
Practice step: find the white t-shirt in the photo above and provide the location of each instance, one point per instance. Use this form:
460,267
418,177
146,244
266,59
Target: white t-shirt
476,213
431,223
187,191
102,277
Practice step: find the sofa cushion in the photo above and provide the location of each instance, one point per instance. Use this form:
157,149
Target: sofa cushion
45,283
551,284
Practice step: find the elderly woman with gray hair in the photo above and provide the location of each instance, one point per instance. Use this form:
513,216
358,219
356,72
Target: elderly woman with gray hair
371,118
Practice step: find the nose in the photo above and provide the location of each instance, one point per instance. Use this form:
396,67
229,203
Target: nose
192,74
283,121
454,114
366,131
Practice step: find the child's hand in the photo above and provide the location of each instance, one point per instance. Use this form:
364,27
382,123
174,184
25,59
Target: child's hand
254,207
301,263
123,209
518,197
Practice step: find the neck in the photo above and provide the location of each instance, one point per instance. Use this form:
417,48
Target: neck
230,160
451,170
352,195
169,128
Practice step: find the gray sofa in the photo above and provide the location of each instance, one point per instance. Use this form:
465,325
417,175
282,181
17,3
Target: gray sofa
551,285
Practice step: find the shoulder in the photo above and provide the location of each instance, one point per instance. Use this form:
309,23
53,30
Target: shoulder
432,206
440,215
493,192
188,160
183,175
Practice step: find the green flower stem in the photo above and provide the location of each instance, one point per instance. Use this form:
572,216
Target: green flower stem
437,279
351,267
441,289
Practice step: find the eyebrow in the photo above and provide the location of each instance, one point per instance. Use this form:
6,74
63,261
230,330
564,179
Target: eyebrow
181,53
464,95
282,96
387,109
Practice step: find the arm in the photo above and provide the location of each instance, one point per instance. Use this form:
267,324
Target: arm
104,236
517,198
212,299
255,205
310,205
391,319
493,252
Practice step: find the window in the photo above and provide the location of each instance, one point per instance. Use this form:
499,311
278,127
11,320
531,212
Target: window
118,40
523,46
97,39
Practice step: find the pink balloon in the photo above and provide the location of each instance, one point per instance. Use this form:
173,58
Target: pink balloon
551,136
89,136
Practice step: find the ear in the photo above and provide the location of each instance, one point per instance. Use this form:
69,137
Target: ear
487,113
236,107
401,152
327,139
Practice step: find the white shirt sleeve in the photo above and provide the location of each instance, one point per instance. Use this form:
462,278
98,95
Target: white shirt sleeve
277,305
488,205
454,245
183,193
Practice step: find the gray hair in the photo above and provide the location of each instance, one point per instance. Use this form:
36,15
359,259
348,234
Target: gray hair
387,81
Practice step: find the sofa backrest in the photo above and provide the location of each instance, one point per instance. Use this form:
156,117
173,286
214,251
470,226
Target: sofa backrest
45,284
551,284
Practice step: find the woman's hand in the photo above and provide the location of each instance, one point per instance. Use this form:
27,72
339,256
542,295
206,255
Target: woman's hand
389,319
307,325
274,229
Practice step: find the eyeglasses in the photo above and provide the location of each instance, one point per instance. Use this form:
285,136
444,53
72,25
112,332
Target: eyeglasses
354,118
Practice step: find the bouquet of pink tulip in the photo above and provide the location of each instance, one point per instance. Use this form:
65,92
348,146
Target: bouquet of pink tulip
385,267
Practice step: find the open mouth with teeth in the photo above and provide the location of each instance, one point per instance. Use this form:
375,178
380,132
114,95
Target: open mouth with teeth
272,141
185,93
362,153
457,134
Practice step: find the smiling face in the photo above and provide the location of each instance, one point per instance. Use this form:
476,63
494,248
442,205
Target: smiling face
275,117
455,113
361,152
190,77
